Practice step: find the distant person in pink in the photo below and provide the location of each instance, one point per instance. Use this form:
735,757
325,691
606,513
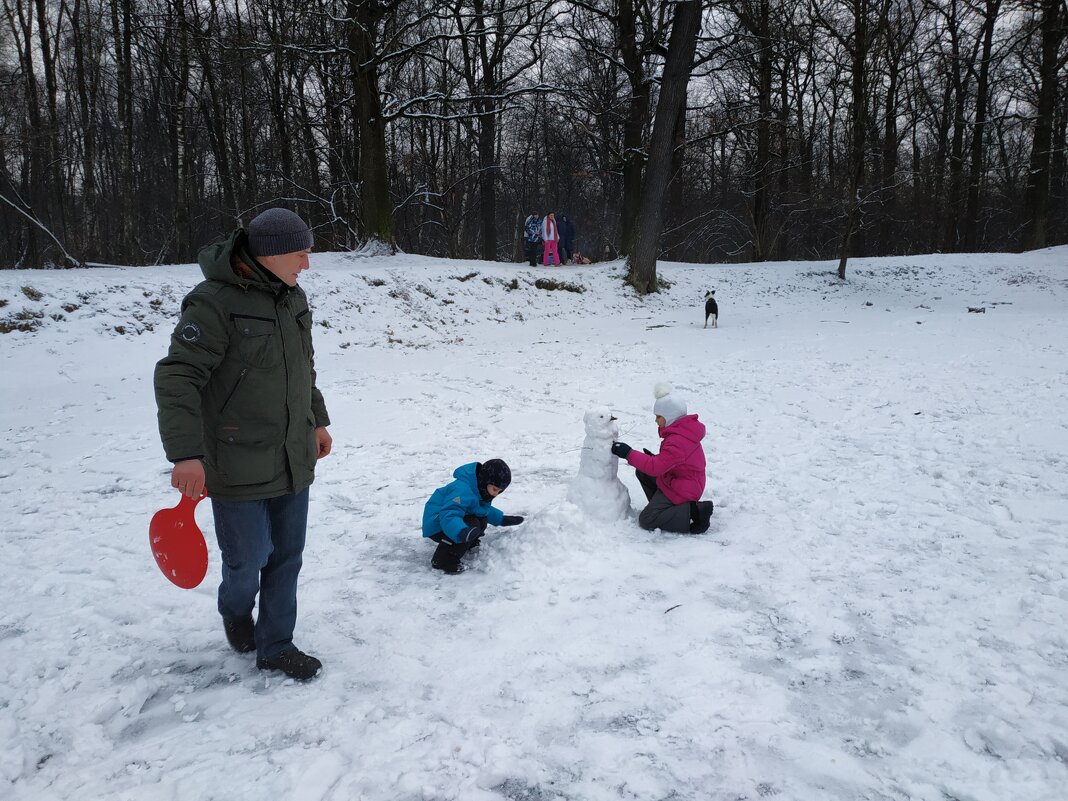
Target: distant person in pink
550,233
674,478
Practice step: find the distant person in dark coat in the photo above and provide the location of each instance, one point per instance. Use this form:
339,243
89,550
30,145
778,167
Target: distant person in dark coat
567,238
532,237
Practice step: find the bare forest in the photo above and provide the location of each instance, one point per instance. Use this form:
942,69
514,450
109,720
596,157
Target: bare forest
135,131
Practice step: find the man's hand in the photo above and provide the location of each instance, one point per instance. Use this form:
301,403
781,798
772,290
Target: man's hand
511,520
188,478
621,449
323,441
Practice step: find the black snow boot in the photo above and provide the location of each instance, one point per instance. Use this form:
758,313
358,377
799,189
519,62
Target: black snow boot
447,558
700,516
295,664
241,634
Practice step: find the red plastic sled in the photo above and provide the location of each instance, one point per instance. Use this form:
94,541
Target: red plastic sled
178,544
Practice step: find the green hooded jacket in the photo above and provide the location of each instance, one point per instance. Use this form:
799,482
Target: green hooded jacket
237,387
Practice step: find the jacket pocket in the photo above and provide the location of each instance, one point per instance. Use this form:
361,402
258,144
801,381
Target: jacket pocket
255,341
242,462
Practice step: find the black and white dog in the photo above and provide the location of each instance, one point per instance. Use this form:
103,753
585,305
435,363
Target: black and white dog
711,309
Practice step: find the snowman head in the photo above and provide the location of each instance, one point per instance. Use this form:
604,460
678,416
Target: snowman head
600,423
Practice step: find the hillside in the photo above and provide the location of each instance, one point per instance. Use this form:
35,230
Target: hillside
876,613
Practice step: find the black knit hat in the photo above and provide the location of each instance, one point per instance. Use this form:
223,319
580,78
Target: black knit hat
494,472
278,231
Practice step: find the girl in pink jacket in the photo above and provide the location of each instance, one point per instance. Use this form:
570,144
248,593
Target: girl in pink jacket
550,233
674,478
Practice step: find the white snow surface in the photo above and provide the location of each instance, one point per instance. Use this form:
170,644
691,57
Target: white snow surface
596,488
877,612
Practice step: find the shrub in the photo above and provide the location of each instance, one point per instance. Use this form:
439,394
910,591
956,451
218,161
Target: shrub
23,321
551,285
7,326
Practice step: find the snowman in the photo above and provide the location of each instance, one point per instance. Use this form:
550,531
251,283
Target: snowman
597,489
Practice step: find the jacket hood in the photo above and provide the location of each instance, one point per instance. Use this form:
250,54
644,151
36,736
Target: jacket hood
217,260
468,473
688,426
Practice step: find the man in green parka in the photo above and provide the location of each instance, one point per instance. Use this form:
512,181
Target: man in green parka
240,416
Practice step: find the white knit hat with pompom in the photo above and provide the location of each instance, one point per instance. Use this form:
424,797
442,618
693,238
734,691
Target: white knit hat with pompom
668,405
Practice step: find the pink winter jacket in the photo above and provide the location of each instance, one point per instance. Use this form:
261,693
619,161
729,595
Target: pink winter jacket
679,468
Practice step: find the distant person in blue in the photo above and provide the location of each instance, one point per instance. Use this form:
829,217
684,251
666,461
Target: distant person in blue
457,514
532,237
567,238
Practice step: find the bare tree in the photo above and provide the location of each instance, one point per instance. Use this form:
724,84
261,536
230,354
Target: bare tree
1052,29
133,130
641,263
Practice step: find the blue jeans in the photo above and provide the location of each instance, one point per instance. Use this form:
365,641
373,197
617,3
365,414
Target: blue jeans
262,547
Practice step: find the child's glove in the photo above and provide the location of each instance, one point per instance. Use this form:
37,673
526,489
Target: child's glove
621,449
512,520
470,534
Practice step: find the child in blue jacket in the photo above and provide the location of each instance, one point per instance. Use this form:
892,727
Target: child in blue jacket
457,514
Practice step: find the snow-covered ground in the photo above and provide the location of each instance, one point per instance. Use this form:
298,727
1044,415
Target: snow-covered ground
878,611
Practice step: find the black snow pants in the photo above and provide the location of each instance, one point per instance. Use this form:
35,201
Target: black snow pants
534,250
448,553
660,512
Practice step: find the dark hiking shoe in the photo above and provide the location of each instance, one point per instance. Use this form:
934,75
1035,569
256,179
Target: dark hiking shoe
295,664
241,634
701,516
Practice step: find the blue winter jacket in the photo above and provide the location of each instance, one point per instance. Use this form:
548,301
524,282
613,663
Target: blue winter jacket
532,228
445,510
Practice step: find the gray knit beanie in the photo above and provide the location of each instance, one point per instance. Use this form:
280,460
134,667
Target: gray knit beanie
668,405
277,231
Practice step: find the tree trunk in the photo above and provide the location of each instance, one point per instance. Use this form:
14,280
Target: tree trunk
487,184
982,92
122,35
86,106
641,272
758,23
677,187
375,203
858,140
183,153
1036,197
956,150
56,185
634,124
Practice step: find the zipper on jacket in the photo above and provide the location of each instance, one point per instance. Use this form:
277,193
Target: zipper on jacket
240,378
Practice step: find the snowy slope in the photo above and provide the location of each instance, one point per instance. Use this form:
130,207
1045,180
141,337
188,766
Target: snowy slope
878,611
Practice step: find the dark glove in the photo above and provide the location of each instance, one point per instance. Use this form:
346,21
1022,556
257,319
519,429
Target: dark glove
512,520
621,449
470,534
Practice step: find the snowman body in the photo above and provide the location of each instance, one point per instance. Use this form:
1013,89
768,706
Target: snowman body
597,489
